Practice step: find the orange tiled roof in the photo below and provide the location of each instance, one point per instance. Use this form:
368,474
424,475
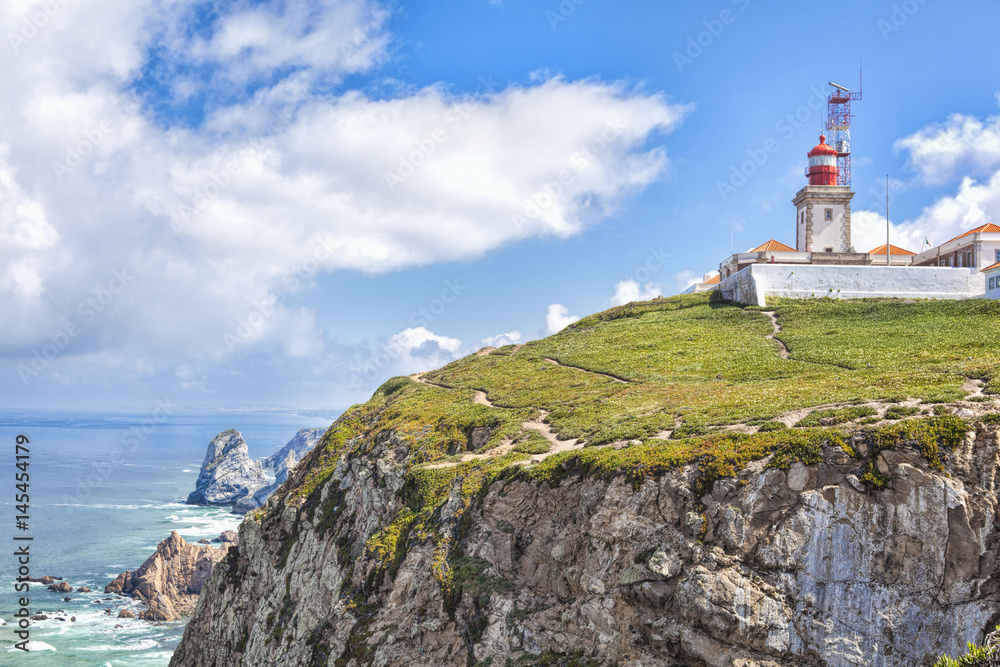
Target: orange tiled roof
713,280
773,246
989,228
895,250
992,266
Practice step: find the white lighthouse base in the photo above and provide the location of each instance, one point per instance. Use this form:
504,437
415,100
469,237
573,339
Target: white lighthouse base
755,283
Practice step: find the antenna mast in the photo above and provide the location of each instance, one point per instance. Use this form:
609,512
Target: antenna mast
838,127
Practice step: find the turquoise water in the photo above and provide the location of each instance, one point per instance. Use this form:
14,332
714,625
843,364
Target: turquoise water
105,490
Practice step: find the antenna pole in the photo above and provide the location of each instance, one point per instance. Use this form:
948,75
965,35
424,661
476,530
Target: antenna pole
888,248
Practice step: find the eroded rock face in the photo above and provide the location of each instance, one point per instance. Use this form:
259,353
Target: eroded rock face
283,460
228,474
802,566
170,580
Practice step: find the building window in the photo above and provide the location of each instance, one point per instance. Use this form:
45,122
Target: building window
829,214
968,258
998,255
829,248
991,282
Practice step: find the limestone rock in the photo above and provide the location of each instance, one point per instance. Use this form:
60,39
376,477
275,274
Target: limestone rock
283,460
61,587
170,580
228,474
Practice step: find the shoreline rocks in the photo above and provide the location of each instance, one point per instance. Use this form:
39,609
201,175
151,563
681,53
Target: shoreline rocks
170,580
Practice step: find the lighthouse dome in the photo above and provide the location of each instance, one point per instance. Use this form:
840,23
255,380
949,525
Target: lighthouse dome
822,148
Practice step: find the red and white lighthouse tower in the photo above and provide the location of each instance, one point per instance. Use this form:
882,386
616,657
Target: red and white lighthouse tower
823,208
822,164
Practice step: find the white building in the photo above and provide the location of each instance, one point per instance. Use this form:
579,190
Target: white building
825,264
976,248
992,276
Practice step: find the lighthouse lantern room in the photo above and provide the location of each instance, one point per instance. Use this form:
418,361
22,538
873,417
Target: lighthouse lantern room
823,208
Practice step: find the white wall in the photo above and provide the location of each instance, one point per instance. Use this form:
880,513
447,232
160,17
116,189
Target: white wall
829,232
756,282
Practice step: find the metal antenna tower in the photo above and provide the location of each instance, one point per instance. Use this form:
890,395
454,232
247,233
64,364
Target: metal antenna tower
838,127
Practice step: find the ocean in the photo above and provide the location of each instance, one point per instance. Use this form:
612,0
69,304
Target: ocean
105,489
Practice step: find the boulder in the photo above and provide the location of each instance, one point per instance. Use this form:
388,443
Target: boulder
170,580
61,587
83,589
228,474
229,536
125,613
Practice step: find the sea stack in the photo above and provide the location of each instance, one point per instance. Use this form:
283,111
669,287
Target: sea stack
228,474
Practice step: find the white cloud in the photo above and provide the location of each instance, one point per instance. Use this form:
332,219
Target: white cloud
975,204
960,145
410,351
211,221
509,338
558,318
630,290
686,278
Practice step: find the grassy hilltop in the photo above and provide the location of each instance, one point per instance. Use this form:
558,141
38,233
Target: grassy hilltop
638,391
643,388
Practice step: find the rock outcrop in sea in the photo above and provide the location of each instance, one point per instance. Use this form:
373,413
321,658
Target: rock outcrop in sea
281,462
228,474
170,580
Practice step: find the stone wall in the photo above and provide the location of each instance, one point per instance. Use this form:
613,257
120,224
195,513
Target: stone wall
755,283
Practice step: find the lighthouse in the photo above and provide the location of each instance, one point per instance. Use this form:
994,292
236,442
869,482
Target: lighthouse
822,164
823,208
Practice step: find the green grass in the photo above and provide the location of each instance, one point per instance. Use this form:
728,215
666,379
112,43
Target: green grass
975,656
689,366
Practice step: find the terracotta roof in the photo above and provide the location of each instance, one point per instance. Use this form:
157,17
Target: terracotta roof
715,279
773,246
989,228
895,250
992,266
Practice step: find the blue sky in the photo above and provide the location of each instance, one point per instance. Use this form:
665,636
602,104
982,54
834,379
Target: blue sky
265,203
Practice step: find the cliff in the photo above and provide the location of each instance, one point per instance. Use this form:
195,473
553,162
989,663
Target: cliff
670,483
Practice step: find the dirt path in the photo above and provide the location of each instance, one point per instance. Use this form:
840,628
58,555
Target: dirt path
973,387
774,334
585,370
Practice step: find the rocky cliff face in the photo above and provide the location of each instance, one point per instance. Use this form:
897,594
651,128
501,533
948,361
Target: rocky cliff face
787,562
228,474
170,580
283,460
